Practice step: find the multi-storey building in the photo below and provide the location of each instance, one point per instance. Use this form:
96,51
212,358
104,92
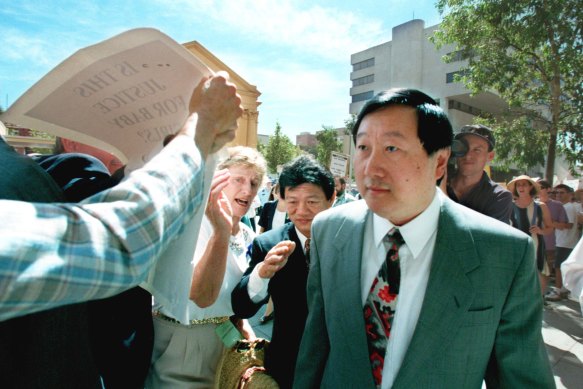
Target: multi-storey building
411,60
306,140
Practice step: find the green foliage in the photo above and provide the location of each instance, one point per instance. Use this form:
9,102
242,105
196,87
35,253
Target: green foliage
349,124
327,143
312,150
530,52
517,142
278,151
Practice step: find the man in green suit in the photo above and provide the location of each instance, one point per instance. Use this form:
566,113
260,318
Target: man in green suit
462,304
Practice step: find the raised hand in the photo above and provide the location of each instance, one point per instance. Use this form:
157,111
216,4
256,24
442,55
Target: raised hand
218,210
276,258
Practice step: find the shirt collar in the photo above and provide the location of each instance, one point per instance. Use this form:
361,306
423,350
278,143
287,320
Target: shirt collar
302,237
417,232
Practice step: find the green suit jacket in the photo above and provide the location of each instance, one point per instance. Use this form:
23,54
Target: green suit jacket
480,319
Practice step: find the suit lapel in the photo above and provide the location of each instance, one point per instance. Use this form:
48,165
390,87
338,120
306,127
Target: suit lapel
297,257
348,246
449,293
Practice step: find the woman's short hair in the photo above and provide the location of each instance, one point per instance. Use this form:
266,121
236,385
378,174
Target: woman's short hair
247,157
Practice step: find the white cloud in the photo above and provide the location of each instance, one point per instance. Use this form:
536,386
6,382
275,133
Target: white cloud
326,32
285,80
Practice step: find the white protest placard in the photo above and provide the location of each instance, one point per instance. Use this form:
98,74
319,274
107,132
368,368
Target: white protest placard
123,95
339,164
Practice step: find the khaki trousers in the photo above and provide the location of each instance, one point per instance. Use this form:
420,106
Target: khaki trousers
184,357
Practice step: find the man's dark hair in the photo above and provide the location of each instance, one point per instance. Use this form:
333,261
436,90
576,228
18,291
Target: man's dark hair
565,186
433,127
306,170
544,184
341,179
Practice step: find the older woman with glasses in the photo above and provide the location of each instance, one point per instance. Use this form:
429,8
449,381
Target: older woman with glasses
187,355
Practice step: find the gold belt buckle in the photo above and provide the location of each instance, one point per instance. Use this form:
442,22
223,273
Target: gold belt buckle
194,322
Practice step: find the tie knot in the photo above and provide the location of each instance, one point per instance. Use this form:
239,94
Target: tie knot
307,246
394,237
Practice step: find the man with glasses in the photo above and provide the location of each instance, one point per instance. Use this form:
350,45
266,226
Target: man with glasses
471,186
567,238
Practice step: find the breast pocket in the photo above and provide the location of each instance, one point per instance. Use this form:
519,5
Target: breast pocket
479,316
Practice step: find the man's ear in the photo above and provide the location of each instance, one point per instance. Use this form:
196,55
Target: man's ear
333,198
490,156
441,158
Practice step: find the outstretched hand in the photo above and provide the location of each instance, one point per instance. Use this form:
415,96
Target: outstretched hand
214,109
276,258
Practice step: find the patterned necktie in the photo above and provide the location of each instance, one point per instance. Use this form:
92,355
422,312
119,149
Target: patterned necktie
307,251
381,303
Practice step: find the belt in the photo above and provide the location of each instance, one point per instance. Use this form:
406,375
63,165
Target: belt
195,322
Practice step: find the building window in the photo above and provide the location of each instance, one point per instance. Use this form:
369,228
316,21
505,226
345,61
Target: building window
450,77
454,104
363,64
460,55
456,56
362,96
363,80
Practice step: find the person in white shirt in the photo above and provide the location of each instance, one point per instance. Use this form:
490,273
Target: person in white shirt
566,238
187,348
409,289
572,271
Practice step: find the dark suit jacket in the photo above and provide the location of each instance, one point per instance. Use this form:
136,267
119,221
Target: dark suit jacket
480,319
288,292
267,213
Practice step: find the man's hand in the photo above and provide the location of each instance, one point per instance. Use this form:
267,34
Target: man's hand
276,258
214,108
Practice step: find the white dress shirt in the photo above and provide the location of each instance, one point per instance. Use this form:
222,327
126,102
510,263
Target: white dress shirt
415,260
182,308
278,219
257,286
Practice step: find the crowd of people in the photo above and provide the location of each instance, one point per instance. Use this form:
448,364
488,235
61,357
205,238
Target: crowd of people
442,284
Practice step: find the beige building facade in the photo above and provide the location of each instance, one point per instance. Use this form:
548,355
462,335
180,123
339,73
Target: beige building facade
247,133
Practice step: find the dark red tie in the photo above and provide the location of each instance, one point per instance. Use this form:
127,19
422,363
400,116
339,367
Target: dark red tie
381,303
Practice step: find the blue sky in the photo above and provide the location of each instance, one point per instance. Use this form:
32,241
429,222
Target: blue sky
296,52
